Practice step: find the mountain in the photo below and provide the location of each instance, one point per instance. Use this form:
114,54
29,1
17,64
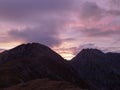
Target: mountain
114,61
100,70
32,61
28,65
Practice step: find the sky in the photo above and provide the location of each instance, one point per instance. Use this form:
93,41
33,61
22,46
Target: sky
67,26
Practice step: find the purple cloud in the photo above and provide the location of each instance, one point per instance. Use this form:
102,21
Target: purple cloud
55,22
45,33
90,10
96,32
22,9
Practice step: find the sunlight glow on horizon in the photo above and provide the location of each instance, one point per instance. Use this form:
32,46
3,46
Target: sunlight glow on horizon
67,56
9,45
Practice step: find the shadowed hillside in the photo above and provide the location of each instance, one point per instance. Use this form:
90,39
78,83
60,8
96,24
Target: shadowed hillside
45,84
32,61
100,70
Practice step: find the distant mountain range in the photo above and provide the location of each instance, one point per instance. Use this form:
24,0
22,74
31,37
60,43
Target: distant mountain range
28,63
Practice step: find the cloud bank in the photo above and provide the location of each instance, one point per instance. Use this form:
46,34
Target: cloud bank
65,24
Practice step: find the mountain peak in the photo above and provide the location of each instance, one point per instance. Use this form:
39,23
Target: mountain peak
100,69
30,46
91,50
30,50
32,61
90,53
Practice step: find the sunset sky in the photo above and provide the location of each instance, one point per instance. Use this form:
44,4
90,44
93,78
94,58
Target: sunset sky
67,26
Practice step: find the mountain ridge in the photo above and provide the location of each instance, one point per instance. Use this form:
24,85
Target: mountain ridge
100,69
90,69
32,61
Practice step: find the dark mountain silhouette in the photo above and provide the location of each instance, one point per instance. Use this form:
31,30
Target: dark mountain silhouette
114,61
32,61
100,70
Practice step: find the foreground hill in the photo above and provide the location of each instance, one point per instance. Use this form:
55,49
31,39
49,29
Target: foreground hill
44,84
100,70
32,61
